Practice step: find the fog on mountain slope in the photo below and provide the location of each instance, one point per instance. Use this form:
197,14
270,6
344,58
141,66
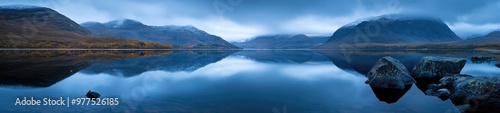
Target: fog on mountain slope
187,37
393,29
491,38
282,41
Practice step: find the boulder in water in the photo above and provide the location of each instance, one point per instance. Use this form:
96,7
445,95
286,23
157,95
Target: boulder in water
389,73
92,94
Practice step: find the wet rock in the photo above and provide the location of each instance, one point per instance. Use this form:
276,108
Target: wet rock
448,82
432,69
481,59
442,93
469,93
389,73
92,94
481,93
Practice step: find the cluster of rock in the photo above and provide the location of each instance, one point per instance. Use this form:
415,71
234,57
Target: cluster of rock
440,76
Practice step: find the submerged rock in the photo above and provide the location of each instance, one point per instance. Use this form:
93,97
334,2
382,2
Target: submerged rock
498,65
431,68
389,73
92,94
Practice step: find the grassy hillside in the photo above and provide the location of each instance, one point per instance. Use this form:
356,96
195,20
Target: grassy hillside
46,28
37,36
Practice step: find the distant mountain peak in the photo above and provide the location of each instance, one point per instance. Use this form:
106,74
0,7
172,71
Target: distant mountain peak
180,36
90,23
277,36
495,32
12,13
490,38
20,7
185,28
392,17
123,23
393,29
281,41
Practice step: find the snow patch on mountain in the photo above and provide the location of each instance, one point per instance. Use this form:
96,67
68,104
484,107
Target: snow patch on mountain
19,7
121,23
186,28
389,17
90,23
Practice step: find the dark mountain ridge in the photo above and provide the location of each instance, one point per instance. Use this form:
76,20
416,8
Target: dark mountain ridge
491,38
23,26
282,41
40,15
393,29
187,37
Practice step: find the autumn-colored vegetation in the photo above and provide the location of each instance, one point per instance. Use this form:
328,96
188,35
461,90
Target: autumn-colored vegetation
27,34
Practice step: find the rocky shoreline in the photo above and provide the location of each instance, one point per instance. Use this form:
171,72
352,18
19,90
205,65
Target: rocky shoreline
440,77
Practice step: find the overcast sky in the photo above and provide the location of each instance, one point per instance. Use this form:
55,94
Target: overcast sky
236,20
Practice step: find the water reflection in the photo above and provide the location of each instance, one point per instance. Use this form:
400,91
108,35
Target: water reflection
360,62
45,68
176,61
284,56
222,81
390,95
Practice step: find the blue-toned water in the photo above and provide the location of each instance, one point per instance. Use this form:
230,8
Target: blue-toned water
218,81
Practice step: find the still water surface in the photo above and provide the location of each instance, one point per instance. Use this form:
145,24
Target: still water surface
268,81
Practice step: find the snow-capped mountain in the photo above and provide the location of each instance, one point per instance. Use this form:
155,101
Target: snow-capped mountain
393,29
24,26
19,7
179,36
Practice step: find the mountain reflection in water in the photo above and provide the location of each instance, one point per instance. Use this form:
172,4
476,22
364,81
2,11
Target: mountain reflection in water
219,81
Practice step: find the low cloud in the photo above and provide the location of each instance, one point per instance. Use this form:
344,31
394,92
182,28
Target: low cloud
467,30
227,29
249,18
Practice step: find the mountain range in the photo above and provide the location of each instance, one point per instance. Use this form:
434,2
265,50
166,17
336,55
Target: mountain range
491,38
394,31
404,32
391,29
187,37
283,41
23,26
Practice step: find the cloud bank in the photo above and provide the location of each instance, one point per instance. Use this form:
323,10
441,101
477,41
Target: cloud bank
236,20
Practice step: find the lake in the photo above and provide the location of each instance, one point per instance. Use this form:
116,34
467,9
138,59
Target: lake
247,81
